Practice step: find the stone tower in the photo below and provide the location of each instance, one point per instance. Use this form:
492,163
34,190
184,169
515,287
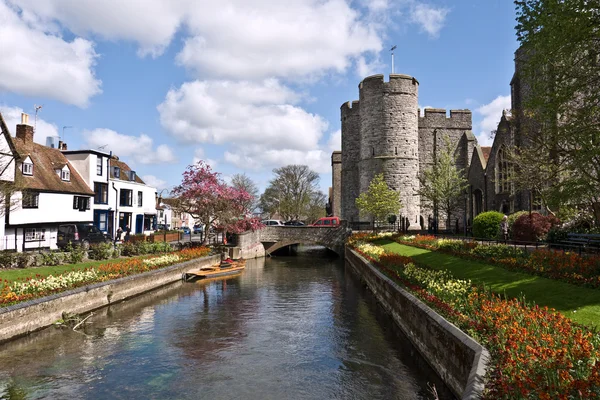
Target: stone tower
350,155
388,139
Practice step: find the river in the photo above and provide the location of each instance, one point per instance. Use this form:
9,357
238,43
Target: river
287,328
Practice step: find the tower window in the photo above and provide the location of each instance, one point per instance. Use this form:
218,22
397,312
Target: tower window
373,150
395,151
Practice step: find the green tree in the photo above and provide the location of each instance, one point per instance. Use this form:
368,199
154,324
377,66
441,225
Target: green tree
243,182
292,193
379,201
442,183
560,122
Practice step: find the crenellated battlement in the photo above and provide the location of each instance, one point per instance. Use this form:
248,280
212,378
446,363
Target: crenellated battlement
350,109
437,118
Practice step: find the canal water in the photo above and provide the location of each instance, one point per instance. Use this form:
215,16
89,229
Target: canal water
287,328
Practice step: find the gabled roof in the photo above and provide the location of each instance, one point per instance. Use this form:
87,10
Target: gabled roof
45,161
124,175
6,132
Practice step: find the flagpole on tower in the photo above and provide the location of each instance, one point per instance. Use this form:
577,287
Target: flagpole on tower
392,50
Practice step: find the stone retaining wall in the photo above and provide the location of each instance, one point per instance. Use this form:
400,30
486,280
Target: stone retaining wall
459,360
23,318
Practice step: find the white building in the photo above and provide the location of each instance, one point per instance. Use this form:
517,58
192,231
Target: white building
51,192
121,198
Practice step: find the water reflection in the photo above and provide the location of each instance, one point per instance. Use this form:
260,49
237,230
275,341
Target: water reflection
288,327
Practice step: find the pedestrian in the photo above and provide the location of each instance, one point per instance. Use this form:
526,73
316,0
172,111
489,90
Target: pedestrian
127,233
118,234
504,228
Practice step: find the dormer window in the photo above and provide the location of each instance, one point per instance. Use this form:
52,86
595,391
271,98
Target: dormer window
132,175
27,167
117,172
65,175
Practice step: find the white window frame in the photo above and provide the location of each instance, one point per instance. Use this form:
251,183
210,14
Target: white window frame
65,175
35,235
27,168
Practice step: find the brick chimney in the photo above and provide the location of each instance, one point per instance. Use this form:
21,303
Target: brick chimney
24,130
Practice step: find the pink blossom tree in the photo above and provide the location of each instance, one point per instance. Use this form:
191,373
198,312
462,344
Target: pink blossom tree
203,194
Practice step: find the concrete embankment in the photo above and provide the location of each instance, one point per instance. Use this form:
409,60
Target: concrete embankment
459,360
23,318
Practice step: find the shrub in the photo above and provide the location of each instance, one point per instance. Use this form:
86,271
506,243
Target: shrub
451,245
513,217
487,225
51,258
75,254
557,234
534,227
498,252
100,251
128,249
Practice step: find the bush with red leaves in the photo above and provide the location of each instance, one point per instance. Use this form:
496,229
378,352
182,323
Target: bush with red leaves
534,227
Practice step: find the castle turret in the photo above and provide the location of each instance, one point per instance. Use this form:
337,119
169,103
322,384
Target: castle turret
389,138
350,155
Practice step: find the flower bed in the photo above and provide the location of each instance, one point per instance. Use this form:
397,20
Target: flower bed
536,353
37,286
564,266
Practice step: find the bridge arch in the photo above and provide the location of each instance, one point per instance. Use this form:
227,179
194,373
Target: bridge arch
277,237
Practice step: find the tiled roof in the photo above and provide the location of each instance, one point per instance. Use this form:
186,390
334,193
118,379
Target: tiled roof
486,152
124,175
45,161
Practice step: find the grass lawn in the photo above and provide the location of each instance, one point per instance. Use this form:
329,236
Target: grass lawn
580,304
12,274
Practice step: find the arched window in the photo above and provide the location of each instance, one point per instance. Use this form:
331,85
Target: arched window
502,172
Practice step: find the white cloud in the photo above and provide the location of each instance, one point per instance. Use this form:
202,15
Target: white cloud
155,182
335,141
431,19
240,112
139,148
491,112
12,117
35,62
258,121
259,39
199,155
256,158
229,39
150,23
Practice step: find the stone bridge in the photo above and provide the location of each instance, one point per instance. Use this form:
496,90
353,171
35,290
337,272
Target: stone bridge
272,238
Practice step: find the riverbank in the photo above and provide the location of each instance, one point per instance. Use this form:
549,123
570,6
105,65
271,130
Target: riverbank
534,351
25,317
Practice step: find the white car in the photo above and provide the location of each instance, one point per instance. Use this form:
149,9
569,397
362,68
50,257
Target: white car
273,222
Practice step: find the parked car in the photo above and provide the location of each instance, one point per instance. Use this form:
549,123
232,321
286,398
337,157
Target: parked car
198,229
294,223
162,227
80,234
327,222
186,230
272,222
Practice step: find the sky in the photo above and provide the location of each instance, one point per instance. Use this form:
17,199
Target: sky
245,85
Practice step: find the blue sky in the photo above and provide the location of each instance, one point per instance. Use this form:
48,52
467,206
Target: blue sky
248,85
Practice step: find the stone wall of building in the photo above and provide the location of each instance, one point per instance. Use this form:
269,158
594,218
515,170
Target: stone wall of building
336,188
350,156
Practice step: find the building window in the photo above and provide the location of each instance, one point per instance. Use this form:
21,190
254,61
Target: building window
117,172
81,203
126,197
132,175
34,235
101,220
140,199
503,174
30,200
65,175
101,193
98,165
27,168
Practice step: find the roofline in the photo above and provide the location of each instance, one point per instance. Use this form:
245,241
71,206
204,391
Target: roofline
48,223
90,151
90,193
